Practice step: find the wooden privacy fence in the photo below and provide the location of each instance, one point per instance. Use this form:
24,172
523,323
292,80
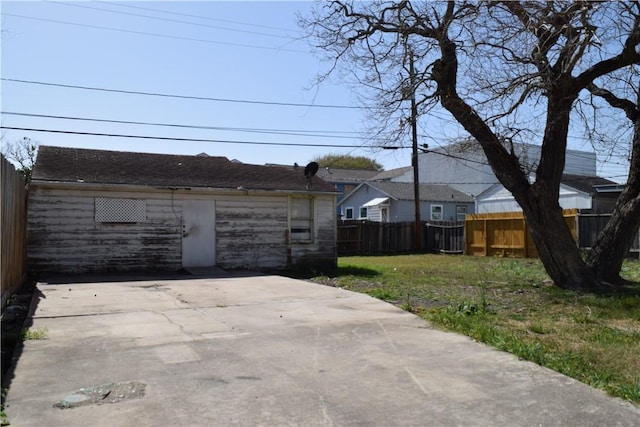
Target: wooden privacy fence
506,234
503,234
590,225
13,240
357,237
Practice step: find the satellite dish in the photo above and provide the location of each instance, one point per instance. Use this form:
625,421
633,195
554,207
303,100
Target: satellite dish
310,170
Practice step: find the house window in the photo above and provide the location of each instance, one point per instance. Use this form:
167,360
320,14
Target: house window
348,213
363,213
461,212
436,212
119,210
301,219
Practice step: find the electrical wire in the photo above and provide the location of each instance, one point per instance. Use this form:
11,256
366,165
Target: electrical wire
170,20
121,30
165,95
122,4
166,138
292,132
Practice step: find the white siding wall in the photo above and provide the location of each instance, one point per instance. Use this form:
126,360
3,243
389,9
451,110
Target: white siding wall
474,177
501,200
251,232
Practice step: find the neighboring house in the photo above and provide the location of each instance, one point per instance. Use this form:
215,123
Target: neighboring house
576,192
96,211
464,165
394,202
345,180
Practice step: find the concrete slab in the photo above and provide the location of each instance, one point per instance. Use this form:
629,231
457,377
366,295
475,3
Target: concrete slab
268,350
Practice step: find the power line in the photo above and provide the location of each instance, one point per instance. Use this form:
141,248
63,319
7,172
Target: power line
293,132
281,49
165,95
170,20
166,138
121,4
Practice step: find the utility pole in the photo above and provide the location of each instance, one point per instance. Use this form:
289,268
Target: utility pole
414,156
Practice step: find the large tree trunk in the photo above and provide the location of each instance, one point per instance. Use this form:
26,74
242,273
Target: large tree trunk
556,247
555,244
614,241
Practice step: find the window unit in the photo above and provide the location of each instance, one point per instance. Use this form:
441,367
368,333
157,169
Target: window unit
436,212
461,213
363,213
348,213
301,219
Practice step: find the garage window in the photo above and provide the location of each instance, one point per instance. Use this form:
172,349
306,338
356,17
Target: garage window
301,228
118,210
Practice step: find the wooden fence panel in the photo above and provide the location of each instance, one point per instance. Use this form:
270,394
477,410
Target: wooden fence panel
505,234
13,198
370,237
590,225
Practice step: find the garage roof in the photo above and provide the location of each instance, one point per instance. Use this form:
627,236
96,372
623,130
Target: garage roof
63,164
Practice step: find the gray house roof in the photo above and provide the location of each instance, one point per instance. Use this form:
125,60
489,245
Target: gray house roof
586,184
61,164
428,192
352,176
390,174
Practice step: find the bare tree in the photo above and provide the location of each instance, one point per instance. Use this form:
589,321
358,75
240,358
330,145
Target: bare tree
23,152
499,68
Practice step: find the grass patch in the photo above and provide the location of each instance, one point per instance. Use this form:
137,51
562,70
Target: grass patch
511,305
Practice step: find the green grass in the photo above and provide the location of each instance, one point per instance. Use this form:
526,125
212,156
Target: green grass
511,305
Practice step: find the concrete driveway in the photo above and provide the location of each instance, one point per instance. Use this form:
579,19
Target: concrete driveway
267,350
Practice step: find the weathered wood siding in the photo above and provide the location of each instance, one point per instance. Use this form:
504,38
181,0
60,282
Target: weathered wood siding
14,215
321,253
251,232
63,235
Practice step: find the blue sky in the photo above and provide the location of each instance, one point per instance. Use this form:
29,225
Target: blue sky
238,51
242,51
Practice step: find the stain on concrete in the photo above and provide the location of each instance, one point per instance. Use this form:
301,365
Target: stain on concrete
106,393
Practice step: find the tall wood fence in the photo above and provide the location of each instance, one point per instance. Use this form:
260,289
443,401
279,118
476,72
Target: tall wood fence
358,237
505,234
13,199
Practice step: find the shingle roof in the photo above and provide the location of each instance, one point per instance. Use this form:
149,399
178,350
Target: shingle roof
585,184
63,164
392,173
428,192
346,175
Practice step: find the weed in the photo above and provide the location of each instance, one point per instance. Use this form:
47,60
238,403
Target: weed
35,334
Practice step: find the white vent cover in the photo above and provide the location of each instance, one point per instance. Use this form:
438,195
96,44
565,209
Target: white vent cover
120,210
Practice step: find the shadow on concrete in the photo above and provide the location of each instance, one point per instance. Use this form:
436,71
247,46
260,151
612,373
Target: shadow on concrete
144,276
17,318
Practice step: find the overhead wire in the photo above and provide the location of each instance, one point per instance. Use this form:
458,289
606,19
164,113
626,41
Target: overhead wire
169,20
166,95
180,139
123,4
292,132
193,39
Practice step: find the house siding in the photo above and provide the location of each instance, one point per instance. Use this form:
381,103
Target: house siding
251,232
401,210
63,236
321,253
499,199
471,173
